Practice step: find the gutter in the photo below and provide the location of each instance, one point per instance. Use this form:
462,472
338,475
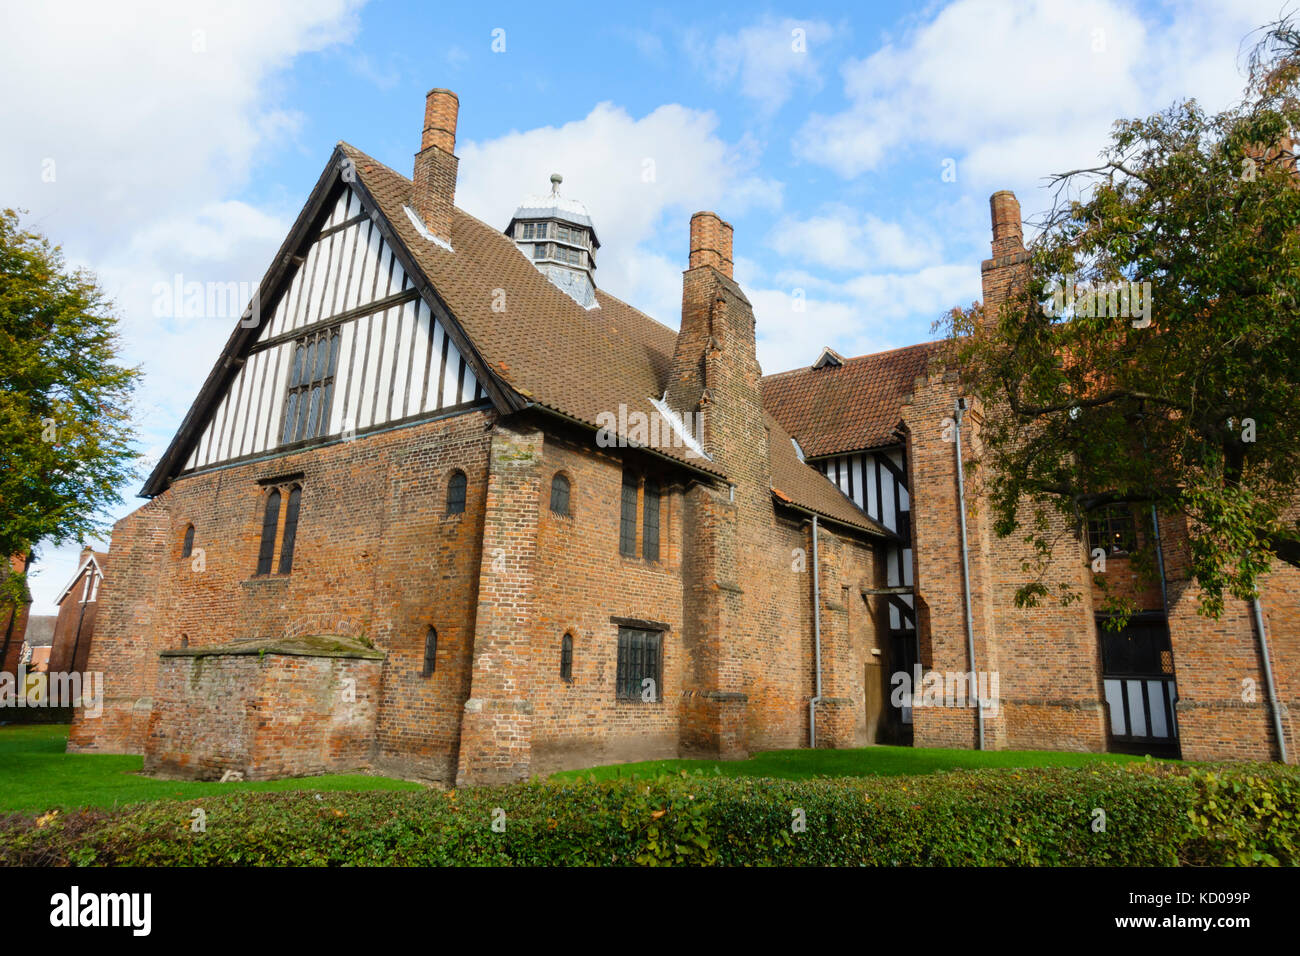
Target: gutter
1268,678
817,640
959,408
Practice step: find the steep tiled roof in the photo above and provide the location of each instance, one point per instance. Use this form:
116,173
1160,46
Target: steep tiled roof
547,348
805,487
553,352
842,408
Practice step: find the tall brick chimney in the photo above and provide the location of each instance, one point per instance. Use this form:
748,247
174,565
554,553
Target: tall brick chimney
1009,267
715,366
436,163
711,242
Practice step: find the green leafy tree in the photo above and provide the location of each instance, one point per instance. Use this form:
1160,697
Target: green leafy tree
1188,399
65,435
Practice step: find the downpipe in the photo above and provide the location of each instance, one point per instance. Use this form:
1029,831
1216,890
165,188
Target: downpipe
817,639
959,409
1268,678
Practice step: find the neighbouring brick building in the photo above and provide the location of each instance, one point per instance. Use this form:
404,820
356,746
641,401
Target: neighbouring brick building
446,507
78,603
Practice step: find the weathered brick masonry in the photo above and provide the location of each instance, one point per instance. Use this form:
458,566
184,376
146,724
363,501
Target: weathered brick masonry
481,549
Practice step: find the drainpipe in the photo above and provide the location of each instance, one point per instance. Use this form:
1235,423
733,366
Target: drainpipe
817,639
1268,678
959,410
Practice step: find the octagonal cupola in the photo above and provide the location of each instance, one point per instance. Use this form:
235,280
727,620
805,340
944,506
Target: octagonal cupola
557,236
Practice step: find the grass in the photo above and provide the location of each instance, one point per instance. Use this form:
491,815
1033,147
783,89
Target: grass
863,762
36,774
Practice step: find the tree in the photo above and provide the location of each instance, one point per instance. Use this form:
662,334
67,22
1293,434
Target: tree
1152,355
65,435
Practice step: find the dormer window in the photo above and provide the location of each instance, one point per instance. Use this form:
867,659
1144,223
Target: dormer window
829,359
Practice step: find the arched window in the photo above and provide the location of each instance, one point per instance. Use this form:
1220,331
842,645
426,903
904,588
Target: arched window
566,658
456,493
187,546
290,529
560,495
430,652
270,518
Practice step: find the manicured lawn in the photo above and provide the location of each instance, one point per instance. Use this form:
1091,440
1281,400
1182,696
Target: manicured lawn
35,774
864,762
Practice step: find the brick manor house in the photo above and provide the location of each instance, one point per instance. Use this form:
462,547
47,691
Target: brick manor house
445,507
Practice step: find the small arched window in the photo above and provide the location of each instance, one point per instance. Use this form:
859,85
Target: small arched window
430,652
187,546
560,495
290,529
456,493
270,518
566,658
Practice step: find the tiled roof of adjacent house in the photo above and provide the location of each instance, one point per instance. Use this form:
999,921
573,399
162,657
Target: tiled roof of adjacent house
837,409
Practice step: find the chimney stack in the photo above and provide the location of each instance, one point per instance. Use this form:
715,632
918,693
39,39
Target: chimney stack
436,163
1007,270
1007,234
710,242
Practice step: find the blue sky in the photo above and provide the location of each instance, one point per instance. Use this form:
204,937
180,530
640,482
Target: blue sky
155,139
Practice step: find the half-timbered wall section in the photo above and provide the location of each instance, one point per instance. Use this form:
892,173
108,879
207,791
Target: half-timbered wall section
876,481
349,345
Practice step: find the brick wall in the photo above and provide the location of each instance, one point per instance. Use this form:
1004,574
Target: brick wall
377,556
261,715
74,627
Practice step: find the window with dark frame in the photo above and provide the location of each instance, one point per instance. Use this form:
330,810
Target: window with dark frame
456,493
566,658
311,386
650,531
1113,530
187,546
560,495
627,517
430,652
270,520
640,653
290,529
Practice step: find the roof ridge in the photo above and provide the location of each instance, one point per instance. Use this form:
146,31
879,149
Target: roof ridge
858,358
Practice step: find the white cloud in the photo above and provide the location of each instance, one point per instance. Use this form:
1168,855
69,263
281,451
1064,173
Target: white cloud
1017,91
152,117
766,60
864,314
842,238
640,179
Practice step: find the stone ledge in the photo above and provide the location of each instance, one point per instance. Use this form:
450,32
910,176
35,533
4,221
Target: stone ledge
320,645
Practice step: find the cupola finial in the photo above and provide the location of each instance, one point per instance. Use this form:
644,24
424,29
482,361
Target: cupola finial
556,179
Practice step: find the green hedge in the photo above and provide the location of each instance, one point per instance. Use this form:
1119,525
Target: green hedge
1154,814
